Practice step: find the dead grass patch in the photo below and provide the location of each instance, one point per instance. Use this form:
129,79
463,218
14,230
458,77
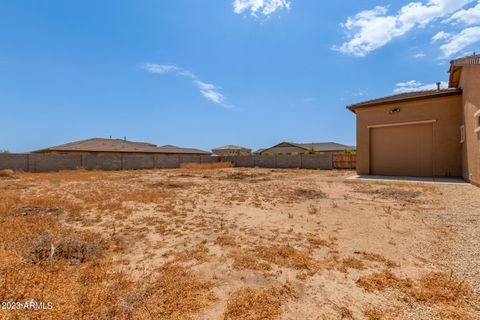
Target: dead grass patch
225,240
258,303
440,287
351,263
375,257
287,256
246,177
206,166
384,280
36,210
399,194
344,312
308,194
243,260
178,293
375,313
168,184
199,252
437,288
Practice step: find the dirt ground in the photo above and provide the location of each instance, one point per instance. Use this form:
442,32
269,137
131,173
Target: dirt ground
237,243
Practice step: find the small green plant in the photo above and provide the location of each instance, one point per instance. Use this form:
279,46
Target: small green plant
310,150
348,151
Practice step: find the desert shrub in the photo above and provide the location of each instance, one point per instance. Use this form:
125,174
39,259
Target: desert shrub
45,248
6,173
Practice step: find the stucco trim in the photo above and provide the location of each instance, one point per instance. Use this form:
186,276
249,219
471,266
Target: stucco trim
395,124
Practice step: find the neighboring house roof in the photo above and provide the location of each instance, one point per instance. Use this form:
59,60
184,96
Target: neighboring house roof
260,150
407,96
322,146
318,146
174,149
231,147
457,65
118,145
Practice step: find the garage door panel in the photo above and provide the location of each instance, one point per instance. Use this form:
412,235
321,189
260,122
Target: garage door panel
405,150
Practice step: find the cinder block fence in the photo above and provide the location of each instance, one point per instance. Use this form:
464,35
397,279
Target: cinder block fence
34,162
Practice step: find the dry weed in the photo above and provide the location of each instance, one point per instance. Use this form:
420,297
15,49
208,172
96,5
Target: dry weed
375,257
312,209
440,287
258,303
287,256
375,313
206,166
308,194
178,293
384,280
225,240
351,263
344,312
243,260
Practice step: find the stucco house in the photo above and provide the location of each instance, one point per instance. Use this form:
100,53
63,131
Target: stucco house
118,146
287,148
232,150
432,133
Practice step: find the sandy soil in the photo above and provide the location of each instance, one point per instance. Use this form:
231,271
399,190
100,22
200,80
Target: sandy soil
317,234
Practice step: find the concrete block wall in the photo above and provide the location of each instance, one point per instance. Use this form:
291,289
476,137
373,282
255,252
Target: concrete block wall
34,162
314,161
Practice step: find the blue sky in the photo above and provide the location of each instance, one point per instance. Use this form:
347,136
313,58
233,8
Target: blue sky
205,73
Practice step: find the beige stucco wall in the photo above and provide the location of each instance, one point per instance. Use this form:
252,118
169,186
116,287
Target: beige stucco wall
446,138
470,83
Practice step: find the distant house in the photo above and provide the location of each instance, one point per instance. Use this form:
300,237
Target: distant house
111,146
232,150
287,148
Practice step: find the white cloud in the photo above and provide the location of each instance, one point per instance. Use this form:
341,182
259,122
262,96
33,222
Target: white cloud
461,41
468,17
160,69
372,29
419,55
265,7
208,90
414,85
440,36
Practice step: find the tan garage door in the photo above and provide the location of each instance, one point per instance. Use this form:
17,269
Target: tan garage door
404,150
